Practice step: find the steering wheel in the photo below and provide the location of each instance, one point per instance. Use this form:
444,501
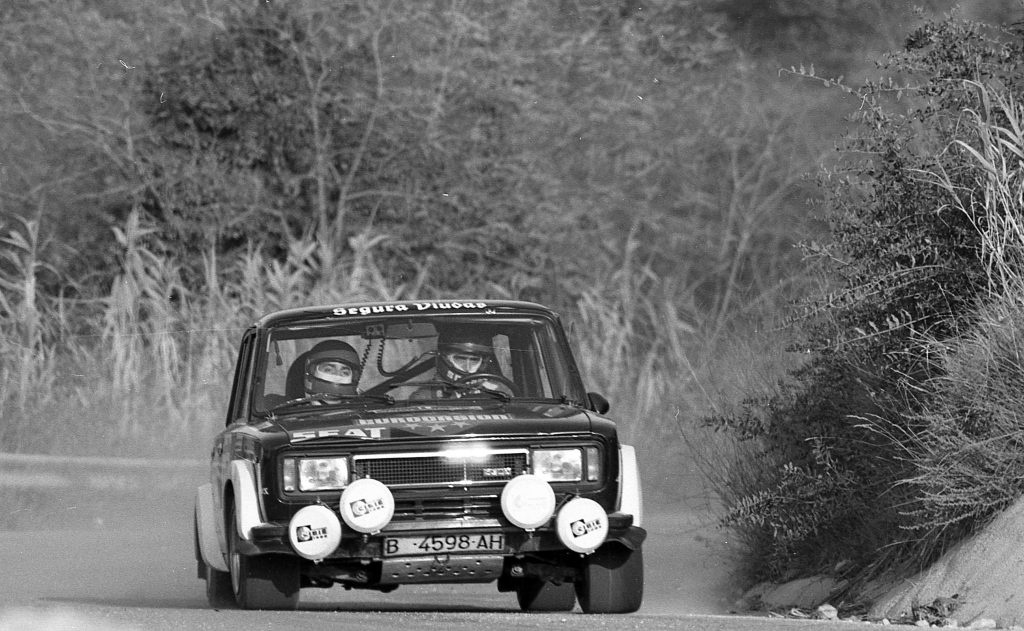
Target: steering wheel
508,386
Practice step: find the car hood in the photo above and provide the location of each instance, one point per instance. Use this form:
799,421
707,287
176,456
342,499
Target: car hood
433,421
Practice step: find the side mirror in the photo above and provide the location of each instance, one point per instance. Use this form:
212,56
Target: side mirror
598,403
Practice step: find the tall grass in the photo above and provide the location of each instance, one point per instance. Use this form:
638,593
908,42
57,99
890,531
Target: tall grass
665,367
146,367
999,213
28,366
967,449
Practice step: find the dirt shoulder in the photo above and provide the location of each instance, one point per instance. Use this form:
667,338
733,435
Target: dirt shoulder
983,574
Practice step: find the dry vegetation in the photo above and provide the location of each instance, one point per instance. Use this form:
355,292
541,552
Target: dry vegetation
631,168
173,170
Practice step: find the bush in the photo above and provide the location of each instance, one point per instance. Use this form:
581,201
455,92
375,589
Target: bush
840,440
965,448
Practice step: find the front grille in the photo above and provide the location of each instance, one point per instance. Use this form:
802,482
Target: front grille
440,469
447,508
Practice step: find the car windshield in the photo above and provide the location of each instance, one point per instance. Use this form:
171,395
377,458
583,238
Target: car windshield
413,359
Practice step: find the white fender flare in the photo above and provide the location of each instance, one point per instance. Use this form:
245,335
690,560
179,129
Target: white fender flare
631,499
206,523
247,498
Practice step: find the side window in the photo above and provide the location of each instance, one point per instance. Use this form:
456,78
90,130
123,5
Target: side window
240,387
551,363
528,364
283,354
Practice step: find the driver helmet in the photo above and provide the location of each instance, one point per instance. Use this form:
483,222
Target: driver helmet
332,368
461,353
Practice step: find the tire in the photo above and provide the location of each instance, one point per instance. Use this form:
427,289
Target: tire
536,595
200,563
613,581
218,589
261,582
218,584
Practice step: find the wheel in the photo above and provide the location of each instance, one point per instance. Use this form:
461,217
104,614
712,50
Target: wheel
261,582
218,584
613,581
200,564
218,589
537,595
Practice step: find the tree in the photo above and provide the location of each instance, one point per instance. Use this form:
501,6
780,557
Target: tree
68,76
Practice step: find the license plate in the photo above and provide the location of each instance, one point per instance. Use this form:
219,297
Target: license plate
442,544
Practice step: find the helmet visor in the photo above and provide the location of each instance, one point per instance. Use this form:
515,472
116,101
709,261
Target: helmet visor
333,371
467,363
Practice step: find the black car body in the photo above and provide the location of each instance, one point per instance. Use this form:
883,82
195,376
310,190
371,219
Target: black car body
400,471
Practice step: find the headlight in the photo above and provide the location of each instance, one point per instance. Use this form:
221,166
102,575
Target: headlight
558,465
315,474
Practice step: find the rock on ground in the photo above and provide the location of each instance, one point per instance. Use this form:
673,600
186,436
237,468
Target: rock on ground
802,593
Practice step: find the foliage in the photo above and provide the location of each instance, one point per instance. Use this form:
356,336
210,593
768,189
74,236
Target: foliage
474,141
67,84
174,168
965,447
908,266
836,28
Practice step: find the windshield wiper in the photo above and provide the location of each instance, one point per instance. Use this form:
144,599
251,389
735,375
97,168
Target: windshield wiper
291,403
385,397
501,395
330,400
463,387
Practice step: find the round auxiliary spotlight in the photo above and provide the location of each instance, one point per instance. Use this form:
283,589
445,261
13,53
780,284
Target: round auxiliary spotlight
528,501
582,525
314,532
367,505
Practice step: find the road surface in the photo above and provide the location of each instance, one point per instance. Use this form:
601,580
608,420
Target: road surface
72,565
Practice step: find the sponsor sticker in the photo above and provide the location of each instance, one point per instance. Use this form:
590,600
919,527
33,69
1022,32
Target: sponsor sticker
309,533
340,432
417,306
381,427
363,507
582,527
434,418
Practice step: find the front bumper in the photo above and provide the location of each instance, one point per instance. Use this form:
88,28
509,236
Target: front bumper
272,538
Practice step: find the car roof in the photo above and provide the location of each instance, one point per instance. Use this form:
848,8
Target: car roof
398,307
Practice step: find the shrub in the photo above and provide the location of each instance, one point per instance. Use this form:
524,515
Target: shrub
965,447
906,266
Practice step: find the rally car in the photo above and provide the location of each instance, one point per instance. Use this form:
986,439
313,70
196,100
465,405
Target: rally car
380,444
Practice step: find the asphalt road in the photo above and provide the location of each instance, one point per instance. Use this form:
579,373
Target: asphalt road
78,567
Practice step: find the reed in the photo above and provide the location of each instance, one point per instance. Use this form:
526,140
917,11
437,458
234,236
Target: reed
146,367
